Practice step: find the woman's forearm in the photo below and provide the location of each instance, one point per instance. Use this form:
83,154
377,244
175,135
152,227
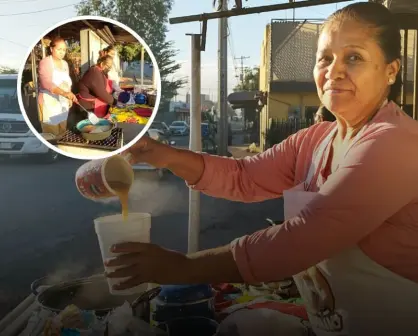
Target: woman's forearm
211,266
58,91
185,164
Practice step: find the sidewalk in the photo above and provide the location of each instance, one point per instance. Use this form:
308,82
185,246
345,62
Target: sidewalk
240,152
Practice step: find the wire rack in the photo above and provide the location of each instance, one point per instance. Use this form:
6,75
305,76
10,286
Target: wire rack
113,142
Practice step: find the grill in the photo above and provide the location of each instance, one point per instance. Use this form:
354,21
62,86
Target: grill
112,143
13,127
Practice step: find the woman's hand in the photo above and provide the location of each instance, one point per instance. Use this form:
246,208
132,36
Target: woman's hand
150,151
71,96
147,263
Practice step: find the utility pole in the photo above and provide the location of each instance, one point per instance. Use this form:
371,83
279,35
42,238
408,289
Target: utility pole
223,83
242,58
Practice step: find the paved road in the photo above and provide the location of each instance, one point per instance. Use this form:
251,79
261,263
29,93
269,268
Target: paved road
46,226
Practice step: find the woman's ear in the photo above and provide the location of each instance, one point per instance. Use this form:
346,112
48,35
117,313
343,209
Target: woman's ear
393,68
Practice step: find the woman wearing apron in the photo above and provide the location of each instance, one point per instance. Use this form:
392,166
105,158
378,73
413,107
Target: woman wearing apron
112,74
95,93
350,189
55,96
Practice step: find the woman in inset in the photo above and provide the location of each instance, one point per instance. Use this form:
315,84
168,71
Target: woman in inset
112,74
350,190
95,89
55,95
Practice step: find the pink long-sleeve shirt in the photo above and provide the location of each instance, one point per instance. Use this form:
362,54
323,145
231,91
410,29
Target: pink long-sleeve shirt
370,201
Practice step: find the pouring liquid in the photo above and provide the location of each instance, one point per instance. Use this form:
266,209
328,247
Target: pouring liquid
121,190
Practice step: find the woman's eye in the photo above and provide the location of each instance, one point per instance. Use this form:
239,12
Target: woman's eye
354,58
324,59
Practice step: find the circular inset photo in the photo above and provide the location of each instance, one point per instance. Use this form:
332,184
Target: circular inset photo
90,88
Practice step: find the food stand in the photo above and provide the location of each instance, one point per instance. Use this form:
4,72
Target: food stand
130,118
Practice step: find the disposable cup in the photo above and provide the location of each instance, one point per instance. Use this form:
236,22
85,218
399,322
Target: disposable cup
113,229
92,178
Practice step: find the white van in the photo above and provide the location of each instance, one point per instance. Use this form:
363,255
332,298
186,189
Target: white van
15,136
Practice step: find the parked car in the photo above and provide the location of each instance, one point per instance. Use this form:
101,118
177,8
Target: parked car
179,128
162,126
16,139
158,136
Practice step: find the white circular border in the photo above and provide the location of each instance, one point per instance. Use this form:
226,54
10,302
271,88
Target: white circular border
156,73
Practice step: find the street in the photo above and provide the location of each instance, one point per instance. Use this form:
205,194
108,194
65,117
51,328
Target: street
47,227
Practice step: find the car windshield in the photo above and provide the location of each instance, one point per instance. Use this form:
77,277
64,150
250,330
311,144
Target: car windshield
8,96
178,123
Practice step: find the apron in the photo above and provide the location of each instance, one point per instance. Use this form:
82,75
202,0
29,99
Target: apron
350,294
54,107
100,107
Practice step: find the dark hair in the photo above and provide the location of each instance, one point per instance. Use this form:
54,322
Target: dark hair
103,59
54,41
326,114
388,34
108,48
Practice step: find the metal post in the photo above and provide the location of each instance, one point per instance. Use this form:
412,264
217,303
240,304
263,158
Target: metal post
35,84
415,110
404,69
223,83
142,65
195,141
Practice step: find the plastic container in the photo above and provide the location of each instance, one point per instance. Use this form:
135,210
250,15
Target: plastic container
113,229
182,301
92,178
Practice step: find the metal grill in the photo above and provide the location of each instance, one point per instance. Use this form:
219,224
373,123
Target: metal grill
293,50
14,146
113,142
13,127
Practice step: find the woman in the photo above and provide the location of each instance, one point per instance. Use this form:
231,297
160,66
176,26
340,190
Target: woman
55,96
350,189
323,114
95,89
112,74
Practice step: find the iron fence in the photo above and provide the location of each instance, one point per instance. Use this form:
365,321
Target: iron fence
280,129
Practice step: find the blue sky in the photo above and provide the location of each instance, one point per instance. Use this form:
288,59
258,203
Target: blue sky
18,32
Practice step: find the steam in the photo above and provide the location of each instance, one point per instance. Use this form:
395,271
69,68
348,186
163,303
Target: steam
151,195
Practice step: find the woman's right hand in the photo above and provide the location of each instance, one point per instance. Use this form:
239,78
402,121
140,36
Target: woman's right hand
185,164
71,96
150,151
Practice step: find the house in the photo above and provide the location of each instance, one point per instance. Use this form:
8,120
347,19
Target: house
286,71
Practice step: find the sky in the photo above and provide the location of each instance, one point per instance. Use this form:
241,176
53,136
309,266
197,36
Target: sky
18,31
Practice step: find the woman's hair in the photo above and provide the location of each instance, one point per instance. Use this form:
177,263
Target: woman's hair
386,30
106,50
326,114
54,41
103,59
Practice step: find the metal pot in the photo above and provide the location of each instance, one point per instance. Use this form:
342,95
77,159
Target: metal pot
88,294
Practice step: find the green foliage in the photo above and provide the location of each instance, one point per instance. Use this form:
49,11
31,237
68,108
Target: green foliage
251,80
148,18
7,70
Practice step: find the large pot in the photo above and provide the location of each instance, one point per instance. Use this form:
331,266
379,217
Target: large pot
88,294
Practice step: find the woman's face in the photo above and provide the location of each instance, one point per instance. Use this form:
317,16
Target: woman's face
351,73
59,50
106,65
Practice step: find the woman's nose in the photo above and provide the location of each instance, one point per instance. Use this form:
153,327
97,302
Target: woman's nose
336,70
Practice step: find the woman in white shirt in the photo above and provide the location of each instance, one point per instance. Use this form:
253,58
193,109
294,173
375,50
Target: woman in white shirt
55,96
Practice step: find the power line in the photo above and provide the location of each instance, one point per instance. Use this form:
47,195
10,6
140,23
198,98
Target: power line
40,11
16,43
242,58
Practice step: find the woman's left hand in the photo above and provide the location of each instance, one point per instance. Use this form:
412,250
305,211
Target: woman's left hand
146,263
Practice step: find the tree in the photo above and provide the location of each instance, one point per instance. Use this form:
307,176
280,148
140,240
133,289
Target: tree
4,70
148,18
251,80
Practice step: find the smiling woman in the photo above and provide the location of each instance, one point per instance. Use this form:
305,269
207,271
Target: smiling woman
350,190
